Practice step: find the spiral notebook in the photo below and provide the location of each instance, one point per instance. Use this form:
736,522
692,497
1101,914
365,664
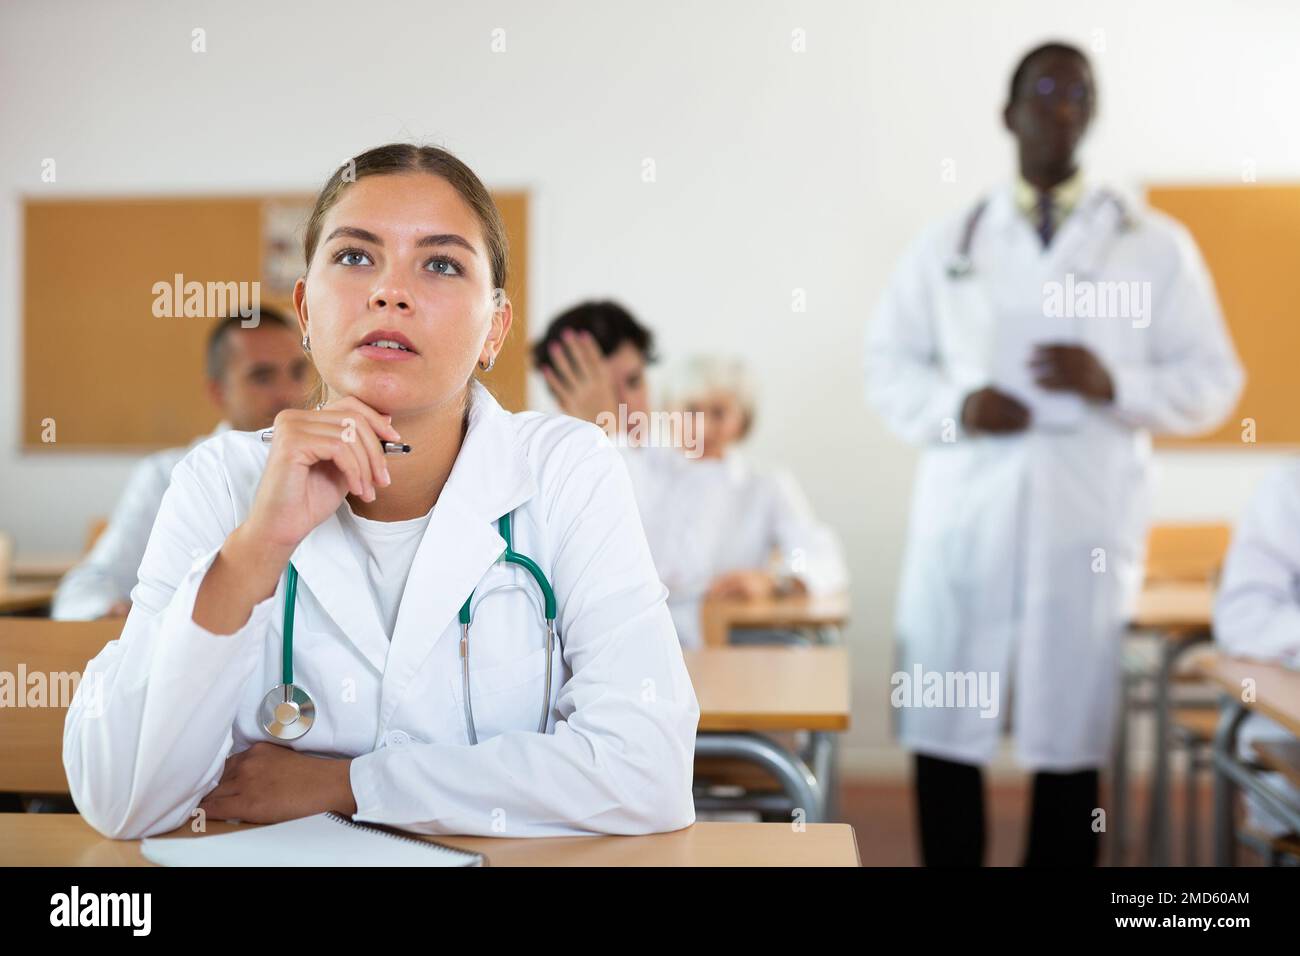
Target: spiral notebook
326,839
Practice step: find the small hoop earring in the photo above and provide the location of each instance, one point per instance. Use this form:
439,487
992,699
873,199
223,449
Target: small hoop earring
306,343
492,360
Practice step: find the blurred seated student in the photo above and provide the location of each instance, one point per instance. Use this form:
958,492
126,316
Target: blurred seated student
252,374
717,525
623,346
724,526
594,357
1257,612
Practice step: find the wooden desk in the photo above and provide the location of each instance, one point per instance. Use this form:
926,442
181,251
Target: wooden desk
1276,694
58,839
31,738
25,597
771,688
719,616
746,693
1277,688
1175,606
42,570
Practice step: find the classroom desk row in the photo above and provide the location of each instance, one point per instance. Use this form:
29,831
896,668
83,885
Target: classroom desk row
1274,693
43,570
22,597
805,768
29,586
1179,613
746,694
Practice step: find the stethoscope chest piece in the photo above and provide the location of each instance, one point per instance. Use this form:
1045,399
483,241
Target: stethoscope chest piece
959,266
287,712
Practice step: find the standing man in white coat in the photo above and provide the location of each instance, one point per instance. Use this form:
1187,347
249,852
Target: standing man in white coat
252,373
1031,345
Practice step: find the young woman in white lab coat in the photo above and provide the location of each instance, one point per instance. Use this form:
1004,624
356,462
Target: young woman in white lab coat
1029,512
1257,611
406,260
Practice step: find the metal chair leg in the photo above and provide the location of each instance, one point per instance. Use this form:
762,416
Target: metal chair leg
1191,811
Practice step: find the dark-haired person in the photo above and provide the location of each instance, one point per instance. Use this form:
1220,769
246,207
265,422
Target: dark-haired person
594,358
1031,345
252,373
468,637
594,334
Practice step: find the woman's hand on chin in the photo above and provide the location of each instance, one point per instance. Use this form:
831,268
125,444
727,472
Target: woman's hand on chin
317,458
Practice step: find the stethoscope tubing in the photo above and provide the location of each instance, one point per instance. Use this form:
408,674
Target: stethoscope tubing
283,731
961,266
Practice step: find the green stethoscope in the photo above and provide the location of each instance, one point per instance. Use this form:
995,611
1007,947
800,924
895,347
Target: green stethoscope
288,711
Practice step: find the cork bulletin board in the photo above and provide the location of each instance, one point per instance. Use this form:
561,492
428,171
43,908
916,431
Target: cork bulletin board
1249,235
114,376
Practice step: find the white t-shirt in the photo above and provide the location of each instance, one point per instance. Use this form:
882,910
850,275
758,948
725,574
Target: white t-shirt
385,550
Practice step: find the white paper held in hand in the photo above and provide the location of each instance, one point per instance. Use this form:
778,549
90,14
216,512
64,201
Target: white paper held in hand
1018,335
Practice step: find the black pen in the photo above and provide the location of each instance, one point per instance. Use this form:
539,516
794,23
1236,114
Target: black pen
390,447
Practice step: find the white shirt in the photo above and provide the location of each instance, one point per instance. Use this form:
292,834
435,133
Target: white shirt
708,516
107,574
384,550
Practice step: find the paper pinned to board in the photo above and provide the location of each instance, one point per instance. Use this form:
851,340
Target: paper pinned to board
1018,336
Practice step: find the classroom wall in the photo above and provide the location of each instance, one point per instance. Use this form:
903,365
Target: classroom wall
775,171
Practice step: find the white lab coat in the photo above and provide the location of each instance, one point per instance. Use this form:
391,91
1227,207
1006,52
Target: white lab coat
177,700
1257,611
705,517
108,573
1003,571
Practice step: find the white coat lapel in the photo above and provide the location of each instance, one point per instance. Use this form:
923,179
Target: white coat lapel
489,479
1103,225
1084,235
1008,232
1073,241
328,566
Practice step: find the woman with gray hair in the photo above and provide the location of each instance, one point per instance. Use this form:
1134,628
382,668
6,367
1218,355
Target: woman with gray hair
719,525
